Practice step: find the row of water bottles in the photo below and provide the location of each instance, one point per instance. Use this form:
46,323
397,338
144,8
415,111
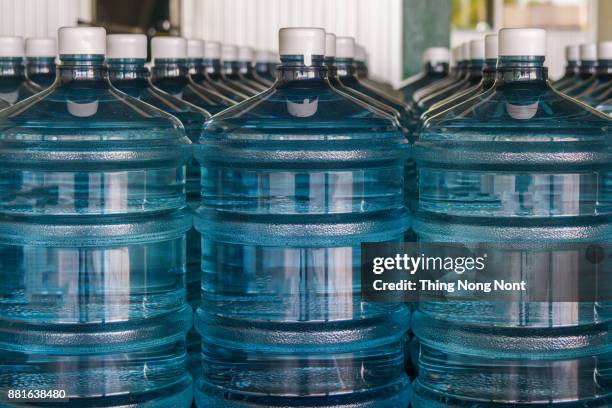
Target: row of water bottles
106,173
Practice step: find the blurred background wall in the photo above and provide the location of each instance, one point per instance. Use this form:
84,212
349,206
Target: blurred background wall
395,32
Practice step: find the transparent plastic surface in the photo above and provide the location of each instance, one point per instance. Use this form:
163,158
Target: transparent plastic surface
571,72
518,164
207,72
293,180
92,236
41,71
14,86
231,75
131,76
586,77
429,74
471,81
601,88
266,71
172,76
458,73
488,78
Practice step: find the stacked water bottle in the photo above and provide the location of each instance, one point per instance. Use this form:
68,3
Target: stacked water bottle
124,206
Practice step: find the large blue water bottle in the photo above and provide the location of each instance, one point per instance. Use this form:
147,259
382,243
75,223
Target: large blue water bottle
435,68
587,71
458,72
14,86
488,79
571,68
40,60
231,71
170,73
526,171
293,180
246,56
601,88
210,73
125,56
476,52
92,236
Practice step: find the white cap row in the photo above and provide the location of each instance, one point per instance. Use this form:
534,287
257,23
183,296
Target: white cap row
589,52
32,47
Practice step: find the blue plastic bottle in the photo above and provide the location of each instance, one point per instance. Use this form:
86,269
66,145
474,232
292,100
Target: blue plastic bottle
14,85
347,74
246,56
170,74
231,71
293,180
523,167
92,235
126,55
605,107
601,89
571,68
488,78
263,65
458,73
470,82
40,60
587,71
205,68
435,68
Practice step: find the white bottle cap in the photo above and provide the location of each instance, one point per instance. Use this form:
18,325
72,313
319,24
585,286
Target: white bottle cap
345,47
168,48
330,45
261,56
126,46
11,47
572,53
195,48
604,50
522,42
229,52
246,54
436,55
212,50
491,50
588,52
465,51
360,53
82,41
305,41
41,47
477,49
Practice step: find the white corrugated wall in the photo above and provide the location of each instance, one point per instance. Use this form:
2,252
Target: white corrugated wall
41,18
376,24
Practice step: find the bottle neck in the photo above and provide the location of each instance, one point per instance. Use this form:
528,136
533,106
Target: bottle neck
604,67
435,67
40,65
571,67
293,69
11,67
345,68
169,68
195,65
75,68
262,67
127,69
211,66
519,70
230,67
475,68
245,67
587,67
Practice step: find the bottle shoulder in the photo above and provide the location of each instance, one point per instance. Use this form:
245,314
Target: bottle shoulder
305,107
87,110
516,112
